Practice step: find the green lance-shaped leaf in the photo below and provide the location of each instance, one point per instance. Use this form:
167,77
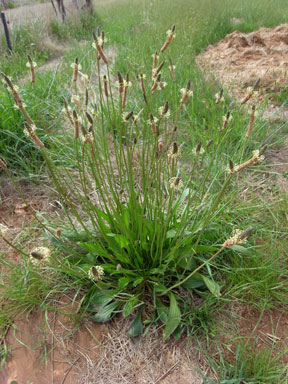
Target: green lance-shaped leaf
136,327
174,317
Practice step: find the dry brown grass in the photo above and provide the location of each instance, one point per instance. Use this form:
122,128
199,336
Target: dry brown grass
145,360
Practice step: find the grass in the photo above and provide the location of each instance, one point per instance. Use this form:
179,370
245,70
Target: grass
42,40
44,105
248,367
254,274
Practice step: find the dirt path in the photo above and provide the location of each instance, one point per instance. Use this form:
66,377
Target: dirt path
44,11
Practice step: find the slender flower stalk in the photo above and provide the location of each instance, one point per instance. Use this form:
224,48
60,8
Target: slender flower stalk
219,96
226,120
105,86
170,36
76,125
31,64
101,41
255,159
120,83
142,77
76,68
31,133
155,60
67,111
156,71
153,125
251,122
98,46
126,85
172,69
86,98
186,93
156,84
249,94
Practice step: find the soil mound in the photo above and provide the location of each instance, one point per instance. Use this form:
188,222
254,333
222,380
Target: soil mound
241,59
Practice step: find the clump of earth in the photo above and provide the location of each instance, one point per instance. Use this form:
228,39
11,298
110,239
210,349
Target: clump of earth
239,60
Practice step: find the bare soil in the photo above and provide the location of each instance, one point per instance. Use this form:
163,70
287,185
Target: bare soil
35,11
279,160
239,60
267,331
39,354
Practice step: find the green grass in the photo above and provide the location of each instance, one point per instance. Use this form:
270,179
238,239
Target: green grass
78,26
248,366
43,103
41,41
24,40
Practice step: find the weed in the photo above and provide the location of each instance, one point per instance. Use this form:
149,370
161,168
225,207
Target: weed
141,227
248,366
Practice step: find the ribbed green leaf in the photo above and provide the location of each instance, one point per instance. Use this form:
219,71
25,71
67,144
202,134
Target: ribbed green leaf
213,287
129,306
240,249
104,314
136,327
174,317
162,311
193,283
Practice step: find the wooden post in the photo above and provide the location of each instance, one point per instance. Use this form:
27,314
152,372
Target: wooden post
6,30
54,7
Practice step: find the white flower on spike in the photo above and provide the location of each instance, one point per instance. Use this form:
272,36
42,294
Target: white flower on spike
176,183
230,117
127,83
161,85
3,229
171,33
33,129
28,65
162,114
257,156
63,110
187,92
40,256
201,152
219,98
96,273
73,65
17,107
84,77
